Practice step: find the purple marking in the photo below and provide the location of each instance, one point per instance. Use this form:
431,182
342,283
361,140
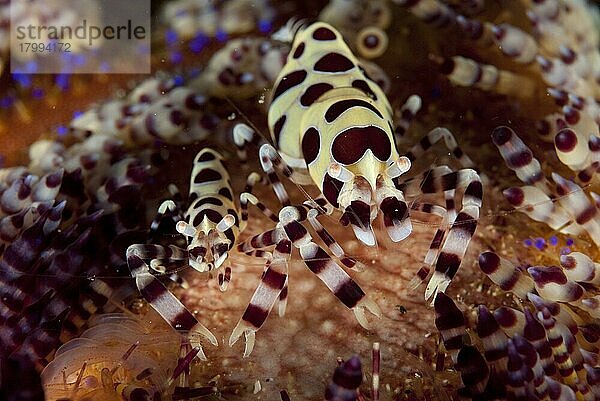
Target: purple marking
7,101
570,241
176,57
198,42
540,243
565,250
527,242
171,37
61,130
37,93
23,80
221,36
31,66
77,114
62,81
265,26
553,240
66,58
178,80
79,60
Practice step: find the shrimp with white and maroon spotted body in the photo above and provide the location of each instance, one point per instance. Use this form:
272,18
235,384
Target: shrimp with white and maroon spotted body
332,127
344,152
211,225
212,222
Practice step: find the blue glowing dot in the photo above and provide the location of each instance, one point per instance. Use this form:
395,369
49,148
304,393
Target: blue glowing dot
66,57
61,130
176,57
79,60
436,92
171,37
77,114
23,80
540,243
221,36
7,101
265,26
198,42
62,81
178,80
528,242
570,241
37,93
553,240
31,66
565,250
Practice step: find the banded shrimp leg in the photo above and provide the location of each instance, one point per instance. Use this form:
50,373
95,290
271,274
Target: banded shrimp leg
452,238
289,231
